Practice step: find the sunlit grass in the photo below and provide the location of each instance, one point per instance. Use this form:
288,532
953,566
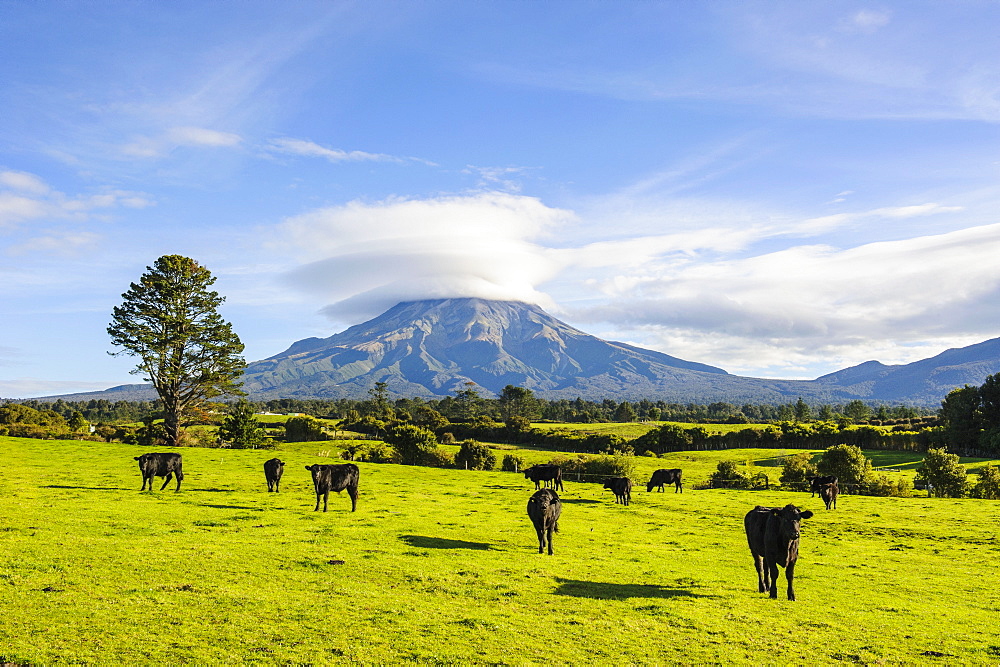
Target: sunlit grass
442,566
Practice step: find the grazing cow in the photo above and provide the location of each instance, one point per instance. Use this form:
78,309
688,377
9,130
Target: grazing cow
545,474
160,465
273,469
622,488
816,483
665,476
773,536
327,478
829,493
544,508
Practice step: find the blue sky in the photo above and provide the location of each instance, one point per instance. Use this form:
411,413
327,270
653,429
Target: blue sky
782,189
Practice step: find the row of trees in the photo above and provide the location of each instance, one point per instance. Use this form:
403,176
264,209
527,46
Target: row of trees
940,473
971,416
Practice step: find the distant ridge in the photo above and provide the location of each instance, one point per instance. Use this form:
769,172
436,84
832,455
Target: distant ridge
432,348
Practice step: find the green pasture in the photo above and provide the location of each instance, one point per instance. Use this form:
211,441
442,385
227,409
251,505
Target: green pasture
441,566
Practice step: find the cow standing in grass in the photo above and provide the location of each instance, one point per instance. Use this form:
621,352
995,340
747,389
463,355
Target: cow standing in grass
164,465
773,536
327,478
816,483
829,493
622,488
545,474
666,476
544,508
273,469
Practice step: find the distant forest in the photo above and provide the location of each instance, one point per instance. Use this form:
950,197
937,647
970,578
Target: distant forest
468,405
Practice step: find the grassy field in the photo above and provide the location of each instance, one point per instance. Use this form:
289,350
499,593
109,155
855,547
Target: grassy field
442,566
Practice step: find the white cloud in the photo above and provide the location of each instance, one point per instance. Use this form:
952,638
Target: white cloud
364,257
810,302
49,210
23,181
189,136
311,149
54,243
200,136
827,223
15,209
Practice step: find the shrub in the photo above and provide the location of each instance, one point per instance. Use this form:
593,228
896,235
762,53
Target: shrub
512,463
727,475
945,475
447,438
475,455
621,465
796,471
988,485
241,429
304,429
439,458
369,451
848,464
415,445
882,485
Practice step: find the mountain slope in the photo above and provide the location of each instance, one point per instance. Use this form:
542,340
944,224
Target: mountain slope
431,348
924,382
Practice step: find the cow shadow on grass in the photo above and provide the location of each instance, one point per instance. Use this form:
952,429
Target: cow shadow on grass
580,501
424,542
602,590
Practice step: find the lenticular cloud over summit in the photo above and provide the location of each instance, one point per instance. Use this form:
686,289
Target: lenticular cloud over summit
362,258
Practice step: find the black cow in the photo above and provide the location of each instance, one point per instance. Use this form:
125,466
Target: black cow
327,478
160,465
829,493
273,469
544,508
816,483
545,474
773,536
622,488
666,476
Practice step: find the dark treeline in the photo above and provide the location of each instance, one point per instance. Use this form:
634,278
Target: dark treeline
467,405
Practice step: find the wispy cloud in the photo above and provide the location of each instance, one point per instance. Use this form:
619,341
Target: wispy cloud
802,301
867,21
306,148
27,198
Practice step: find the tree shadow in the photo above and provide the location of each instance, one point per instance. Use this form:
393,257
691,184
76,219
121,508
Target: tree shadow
600,590
423,542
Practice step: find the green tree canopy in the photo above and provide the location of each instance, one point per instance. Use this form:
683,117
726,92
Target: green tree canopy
303,428
169,320
241,428
475,455
960,416
944,473
415,445
848,464
517,402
